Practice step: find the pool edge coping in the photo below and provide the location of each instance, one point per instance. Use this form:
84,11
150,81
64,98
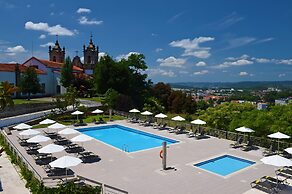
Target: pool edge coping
192,164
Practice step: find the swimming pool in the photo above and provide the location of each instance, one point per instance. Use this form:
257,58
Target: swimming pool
125,138
224,165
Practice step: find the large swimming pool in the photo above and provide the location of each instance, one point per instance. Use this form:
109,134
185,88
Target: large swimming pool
125,138
224,165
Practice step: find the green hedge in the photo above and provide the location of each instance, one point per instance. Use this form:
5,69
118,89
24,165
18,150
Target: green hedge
37,187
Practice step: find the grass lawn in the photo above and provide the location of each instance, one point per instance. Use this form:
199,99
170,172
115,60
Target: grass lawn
95,99
24,101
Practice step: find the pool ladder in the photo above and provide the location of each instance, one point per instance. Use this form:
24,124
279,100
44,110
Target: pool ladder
126,148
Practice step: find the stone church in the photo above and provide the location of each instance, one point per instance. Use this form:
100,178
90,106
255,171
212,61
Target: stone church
49,71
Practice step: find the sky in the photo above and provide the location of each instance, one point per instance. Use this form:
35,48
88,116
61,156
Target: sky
182,41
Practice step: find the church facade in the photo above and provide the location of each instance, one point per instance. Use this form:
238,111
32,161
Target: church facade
49,71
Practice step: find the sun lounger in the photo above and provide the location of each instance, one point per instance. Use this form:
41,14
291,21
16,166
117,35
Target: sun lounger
247,147
172,130
238,143
162,127
265,185
285,172
180,130
192,134
270,151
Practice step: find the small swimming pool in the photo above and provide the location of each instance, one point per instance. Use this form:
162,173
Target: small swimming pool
125,138
224,165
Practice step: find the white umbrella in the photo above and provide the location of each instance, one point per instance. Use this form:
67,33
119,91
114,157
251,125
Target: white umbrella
244,130
97,111
161,115
57,126
38,139
51,148
289,150
46,122
279,136
81,138
198,122
134,111
77,113
22,126
276,160
68,131
178,118
146,113
29,132
65,162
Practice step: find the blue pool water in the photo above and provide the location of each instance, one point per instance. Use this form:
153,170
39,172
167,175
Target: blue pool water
224,165
124,138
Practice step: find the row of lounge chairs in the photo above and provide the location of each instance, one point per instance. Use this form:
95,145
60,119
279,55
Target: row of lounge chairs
243,146
44,159
272,184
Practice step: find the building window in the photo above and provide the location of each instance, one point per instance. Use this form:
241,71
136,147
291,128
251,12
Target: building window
43,88
54,58
88,60
58,89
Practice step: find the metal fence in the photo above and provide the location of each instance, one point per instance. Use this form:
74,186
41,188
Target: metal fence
224,134
21,109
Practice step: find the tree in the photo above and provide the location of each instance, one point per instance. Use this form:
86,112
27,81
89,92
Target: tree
30,83
162,91
111,97
126,77
6,92
67,76
70,98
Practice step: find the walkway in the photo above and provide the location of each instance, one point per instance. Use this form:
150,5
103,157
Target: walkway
10,179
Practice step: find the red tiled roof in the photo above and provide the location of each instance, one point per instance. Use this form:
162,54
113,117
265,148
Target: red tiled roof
10,67
58,65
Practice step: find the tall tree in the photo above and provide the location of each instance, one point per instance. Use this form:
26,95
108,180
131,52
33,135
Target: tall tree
111,97
67,76
6,92
126,77
30,83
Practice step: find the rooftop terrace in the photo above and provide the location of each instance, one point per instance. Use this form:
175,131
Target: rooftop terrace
140,172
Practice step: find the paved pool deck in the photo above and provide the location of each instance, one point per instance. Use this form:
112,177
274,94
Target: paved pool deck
140,172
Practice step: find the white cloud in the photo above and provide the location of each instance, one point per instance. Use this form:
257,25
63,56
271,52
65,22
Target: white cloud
158,50
126,56
239,42
203,72
12,62
28,6
52,13
85,21
201,64
15,50
261,60
162,72
189,44
243,73
202,54
83,10
47,44
192,47
183,72
82,59
282,75
266,40
239,62
285,61
171,62
42,36
101,54
52,30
